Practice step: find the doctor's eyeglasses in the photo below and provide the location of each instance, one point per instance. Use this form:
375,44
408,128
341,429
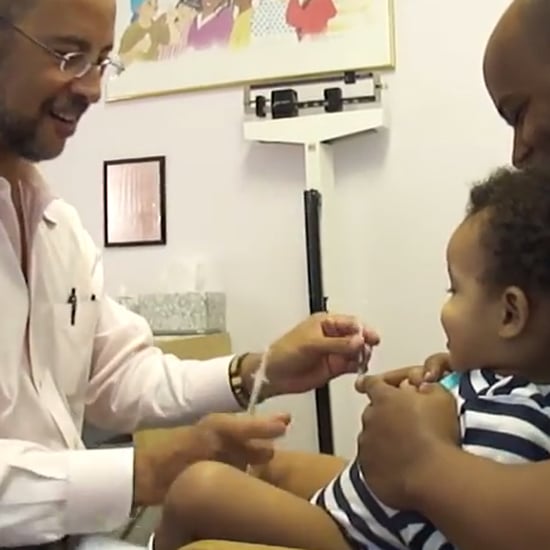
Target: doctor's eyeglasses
73,64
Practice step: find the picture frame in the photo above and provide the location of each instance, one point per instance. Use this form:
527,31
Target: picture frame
134,201
172,46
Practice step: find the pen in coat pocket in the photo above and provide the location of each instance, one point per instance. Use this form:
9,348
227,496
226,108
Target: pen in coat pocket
73,303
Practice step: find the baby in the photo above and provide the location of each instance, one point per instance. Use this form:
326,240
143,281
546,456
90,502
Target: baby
497,322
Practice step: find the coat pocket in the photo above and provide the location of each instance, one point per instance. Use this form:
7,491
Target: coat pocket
74,332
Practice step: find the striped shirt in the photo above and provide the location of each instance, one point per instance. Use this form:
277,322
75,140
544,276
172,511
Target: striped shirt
503,418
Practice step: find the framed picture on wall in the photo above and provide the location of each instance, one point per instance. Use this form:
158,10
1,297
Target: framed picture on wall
134,197
170,46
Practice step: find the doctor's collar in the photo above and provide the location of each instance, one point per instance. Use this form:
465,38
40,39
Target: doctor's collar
45,196
49,216
43,199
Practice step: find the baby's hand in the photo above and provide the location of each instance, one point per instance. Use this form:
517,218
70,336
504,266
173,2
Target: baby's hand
434,369
416,376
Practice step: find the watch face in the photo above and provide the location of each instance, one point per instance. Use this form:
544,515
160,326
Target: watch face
236,383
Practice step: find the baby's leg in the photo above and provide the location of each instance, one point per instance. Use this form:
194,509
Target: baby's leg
210,500
299,473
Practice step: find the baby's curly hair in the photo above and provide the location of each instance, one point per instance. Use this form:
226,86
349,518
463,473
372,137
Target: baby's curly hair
515,231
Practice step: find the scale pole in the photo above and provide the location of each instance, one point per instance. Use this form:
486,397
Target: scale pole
317,303
317,210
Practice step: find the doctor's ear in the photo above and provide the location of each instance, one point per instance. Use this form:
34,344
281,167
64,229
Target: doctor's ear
515,312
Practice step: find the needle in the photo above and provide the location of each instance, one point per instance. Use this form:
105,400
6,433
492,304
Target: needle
364,355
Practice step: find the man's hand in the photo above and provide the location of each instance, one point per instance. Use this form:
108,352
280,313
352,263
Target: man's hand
402,429
230,438
322,347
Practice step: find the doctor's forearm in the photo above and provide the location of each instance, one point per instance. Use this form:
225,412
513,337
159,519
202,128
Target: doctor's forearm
45,494
134,385
152,390
478,503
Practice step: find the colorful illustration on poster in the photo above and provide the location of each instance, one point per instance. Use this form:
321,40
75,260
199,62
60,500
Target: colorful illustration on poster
223,41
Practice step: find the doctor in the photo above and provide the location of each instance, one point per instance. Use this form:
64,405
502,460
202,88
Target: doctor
67,351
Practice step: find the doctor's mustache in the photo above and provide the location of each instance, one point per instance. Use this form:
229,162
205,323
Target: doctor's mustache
75,105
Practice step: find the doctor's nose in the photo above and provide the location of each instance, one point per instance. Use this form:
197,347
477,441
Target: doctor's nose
89,86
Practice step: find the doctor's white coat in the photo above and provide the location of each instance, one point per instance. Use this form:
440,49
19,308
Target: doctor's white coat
63,358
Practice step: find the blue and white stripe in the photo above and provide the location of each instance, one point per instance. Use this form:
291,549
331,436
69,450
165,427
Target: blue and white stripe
503,418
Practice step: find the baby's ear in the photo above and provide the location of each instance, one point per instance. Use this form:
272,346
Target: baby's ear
514,312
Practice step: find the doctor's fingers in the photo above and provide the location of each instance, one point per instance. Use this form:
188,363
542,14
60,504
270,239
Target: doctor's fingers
346,325
240,428
259,452
254,453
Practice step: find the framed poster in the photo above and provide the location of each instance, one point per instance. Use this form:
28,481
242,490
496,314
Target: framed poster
134,201
169,46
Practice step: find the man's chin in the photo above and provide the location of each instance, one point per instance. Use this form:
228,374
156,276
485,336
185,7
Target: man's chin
47,142
53,154
45,152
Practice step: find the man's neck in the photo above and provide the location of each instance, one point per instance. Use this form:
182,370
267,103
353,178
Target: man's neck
12,168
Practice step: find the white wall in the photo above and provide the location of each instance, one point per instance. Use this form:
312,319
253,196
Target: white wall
402,192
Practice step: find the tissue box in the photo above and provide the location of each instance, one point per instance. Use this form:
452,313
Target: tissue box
184,313
129,302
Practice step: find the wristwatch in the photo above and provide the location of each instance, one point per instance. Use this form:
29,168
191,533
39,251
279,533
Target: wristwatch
241,393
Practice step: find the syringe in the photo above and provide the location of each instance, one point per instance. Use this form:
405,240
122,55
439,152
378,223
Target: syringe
260,379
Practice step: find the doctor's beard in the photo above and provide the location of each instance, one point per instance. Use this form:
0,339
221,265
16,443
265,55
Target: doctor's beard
19,133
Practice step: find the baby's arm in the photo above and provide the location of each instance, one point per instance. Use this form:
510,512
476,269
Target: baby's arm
211,500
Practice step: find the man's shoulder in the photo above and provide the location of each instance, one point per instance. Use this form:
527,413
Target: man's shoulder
54,207
60,211
65,217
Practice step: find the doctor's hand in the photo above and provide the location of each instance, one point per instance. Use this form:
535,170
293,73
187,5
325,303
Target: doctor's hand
403,430
235,439
322,347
